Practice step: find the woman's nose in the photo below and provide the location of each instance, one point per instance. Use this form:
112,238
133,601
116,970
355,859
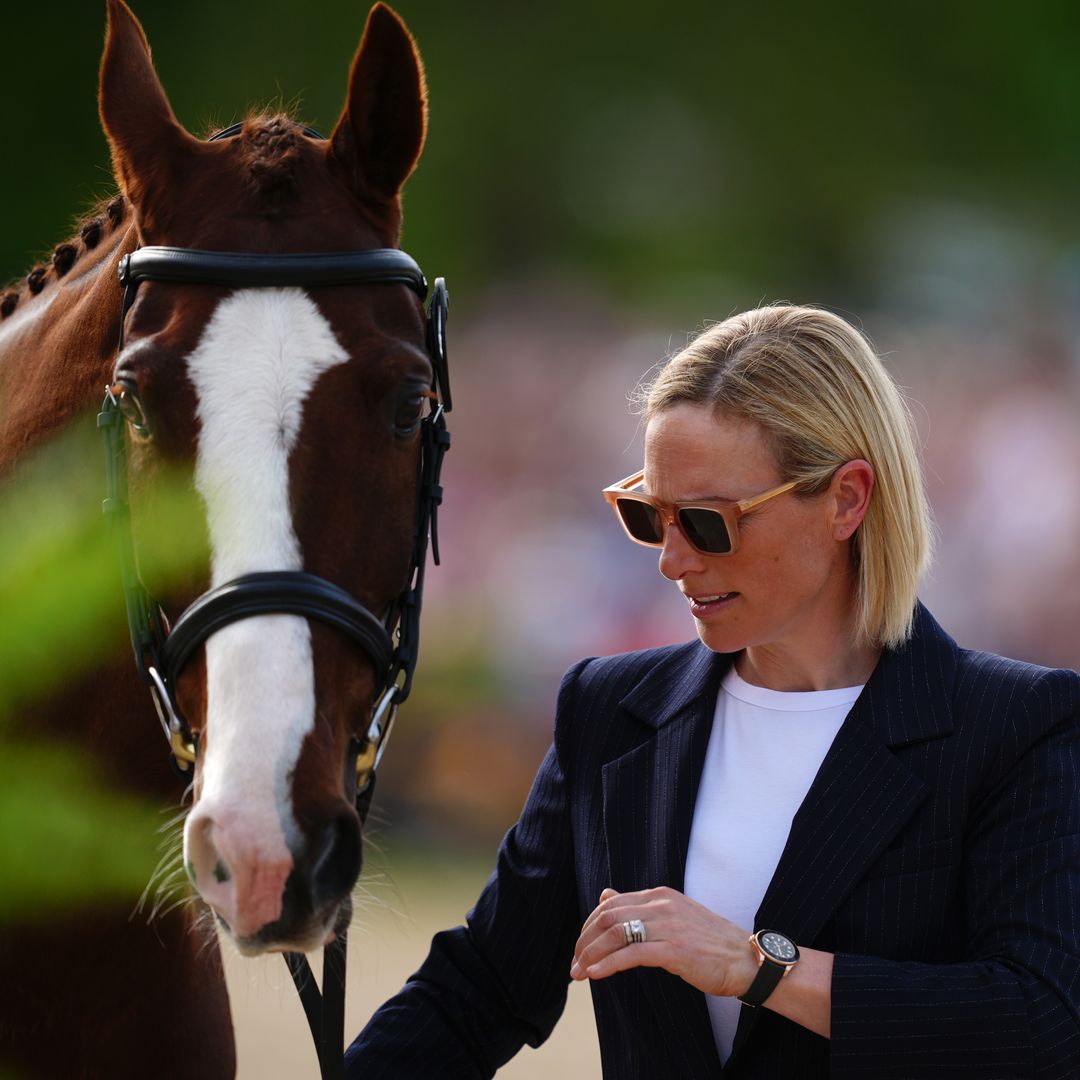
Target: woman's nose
678,557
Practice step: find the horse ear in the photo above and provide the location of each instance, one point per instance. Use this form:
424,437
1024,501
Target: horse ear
380,133
142,130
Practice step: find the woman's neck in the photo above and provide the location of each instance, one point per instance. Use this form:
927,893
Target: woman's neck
780,667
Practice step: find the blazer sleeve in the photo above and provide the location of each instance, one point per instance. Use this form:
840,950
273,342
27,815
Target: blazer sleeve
499,982
1012,1010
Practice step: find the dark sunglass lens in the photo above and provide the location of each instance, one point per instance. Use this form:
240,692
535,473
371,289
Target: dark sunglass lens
641,520
707,530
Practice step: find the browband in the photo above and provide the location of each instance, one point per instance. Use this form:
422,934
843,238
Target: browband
194,266
235,129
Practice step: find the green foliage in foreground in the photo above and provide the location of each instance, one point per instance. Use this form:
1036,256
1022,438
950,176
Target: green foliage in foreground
66,839
59,575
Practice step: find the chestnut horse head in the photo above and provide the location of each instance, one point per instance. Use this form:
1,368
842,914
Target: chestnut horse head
298,400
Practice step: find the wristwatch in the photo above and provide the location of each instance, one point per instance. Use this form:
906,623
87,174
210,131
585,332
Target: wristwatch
777,955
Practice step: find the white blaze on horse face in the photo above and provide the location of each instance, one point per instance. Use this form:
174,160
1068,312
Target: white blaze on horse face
255,365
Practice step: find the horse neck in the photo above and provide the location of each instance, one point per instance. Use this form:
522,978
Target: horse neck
57,349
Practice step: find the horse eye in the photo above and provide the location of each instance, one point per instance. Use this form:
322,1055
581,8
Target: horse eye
409,414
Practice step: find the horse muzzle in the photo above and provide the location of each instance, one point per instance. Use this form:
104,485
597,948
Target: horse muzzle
272,896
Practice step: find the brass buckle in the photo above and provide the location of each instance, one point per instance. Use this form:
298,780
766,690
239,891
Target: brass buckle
378,734
183,749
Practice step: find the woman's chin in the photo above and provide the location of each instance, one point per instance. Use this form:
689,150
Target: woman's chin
721,639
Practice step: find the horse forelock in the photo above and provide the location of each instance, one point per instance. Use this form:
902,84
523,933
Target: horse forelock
271,146
284,171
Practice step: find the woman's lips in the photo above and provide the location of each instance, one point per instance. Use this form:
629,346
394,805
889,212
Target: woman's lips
708,603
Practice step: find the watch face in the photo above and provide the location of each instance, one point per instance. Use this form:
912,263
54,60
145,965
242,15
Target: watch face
777,947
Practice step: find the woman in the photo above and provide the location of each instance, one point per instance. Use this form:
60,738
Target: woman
896,818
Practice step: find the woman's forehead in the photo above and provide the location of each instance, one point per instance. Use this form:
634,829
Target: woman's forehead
690,434
691,446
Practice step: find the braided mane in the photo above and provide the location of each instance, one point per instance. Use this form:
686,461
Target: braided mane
271,146
100,222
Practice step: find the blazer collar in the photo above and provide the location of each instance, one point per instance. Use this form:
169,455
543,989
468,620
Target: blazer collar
906,699
909,695
677,682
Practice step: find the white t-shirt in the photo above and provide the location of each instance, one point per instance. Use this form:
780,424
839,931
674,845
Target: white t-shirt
765,749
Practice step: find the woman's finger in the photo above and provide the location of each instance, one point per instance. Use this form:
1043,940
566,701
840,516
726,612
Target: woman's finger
602,943
610,901
645,954
609,932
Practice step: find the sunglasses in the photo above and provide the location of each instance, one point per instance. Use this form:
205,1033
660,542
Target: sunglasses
711,526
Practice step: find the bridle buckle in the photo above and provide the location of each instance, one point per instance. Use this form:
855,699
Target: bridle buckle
176,731
378,733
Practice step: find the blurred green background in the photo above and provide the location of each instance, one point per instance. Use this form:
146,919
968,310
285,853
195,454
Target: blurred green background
676,158
599,180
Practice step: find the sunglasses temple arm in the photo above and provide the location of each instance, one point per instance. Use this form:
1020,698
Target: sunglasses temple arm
757,500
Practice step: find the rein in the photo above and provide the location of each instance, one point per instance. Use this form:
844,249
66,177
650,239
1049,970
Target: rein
391,642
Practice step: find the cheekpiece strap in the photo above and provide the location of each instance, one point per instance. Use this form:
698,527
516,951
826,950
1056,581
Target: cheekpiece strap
145,622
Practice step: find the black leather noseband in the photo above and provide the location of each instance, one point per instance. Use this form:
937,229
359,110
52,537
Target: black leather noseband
276,593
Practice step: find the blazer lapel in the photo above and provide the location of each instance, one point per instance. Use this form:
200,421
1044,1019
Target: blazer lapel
649,796
649,792
863,794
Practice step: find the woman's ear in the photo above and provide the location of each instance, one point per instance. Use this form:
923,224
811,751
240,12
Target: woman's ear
851,488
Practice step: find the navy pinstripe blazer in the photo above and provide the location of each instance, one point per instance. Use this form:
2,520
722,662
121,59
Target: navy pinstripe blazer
937,854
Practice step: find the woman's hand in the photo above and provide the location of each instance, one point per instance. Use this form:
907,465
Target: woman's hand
681,936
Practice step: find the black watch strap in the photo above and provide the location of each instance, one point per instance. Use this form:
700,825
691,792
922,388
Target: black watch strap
768,978
777,955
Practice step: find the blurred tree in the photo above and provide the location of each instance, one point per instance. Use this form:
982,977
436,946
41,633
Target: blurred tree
651,151
65,837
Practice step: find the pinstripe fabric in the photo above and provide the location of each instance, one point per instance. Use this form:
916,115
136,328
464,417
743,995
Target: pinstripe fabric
937,854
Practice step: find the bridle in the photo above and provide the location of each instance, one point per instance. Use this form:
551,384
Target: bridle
160,653
391,642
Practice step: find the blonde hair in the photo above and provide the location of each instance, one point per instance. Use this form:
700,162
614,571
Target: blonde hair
822,397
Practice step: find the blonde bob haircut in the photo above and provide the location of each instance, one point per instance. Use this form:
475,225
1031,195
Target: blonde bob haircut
822,397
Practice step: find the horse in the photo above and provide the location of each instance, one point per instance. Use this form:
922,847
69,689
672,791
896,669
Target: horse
271,343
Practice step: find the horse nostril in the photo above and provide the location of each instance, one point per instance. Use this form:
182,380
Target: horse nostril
203,862
337,863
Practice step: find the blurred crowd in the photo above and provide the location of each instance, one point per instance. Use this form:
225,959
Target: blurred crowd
536,572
